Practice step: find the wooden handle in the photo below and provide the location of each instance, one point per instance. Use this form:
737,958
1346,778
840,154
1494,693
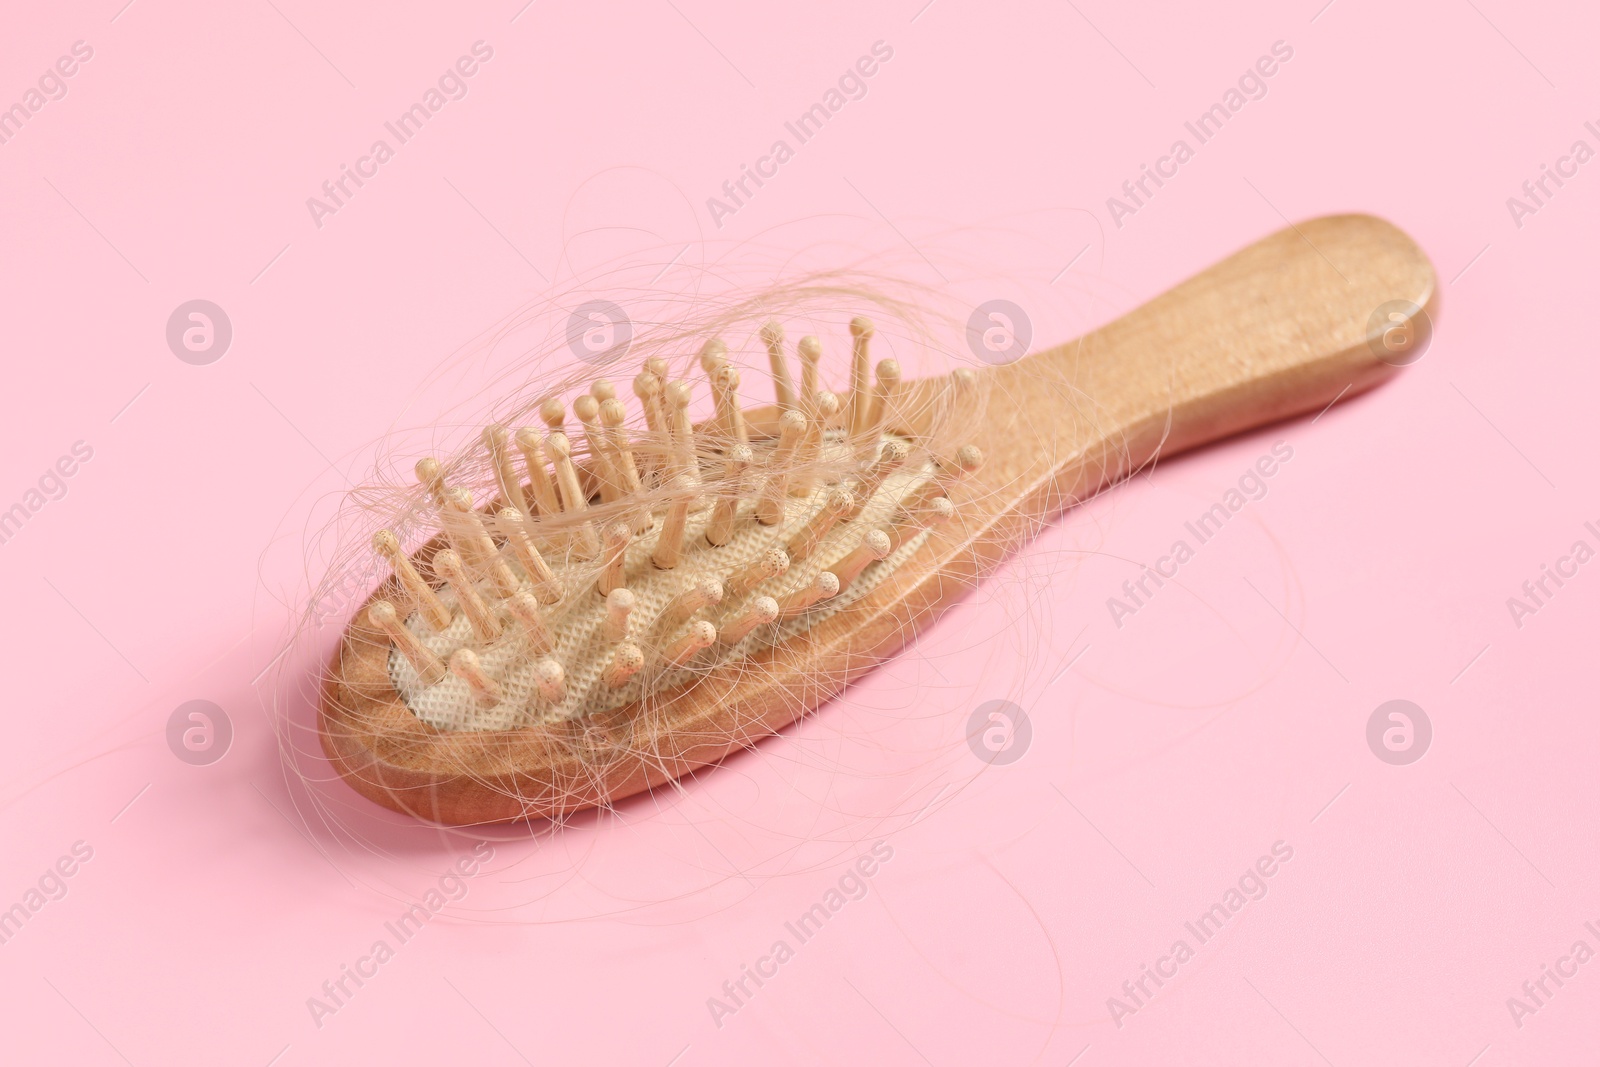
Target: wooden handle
1278,329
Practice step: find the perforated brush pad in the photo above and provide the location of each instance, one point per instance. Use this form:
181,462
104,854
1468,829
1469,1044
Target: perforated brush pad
577,622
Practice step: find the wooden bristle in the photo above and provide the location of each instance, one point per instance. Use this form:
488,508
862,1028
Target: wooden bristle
885,401
498,442
550,680
483,553
454,508
465,665
759,612
725,393
448,566
553,414
648,388
705,593
612,414
585,541
434,613
939,510
602,391
669,542
804,481
431,476
891,457
429,667
587,410
967,461
782,384
858,407
531,622
713,354
835,503
765,567
679,395
725,514
969,458
810,349
822,587
698,637
616,553
791,429
626,661
619,608
874,546
545,585
531,443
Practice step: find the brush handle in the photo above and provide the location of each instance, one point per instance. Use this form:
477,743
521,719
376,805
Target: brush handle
1278,329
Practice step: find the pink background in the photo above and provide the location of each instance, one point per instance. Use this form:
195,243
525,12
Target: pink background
1174,752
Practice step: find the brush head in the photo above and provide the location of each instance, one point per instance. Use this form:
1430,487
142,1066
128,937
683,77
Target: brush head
624,564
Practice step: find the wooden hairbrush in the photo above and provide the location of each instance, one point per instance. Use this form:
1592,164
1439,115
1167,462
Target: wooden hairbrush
616,600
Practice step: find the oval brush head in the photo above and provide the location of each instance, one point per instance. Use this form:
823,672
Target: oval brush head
634,595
